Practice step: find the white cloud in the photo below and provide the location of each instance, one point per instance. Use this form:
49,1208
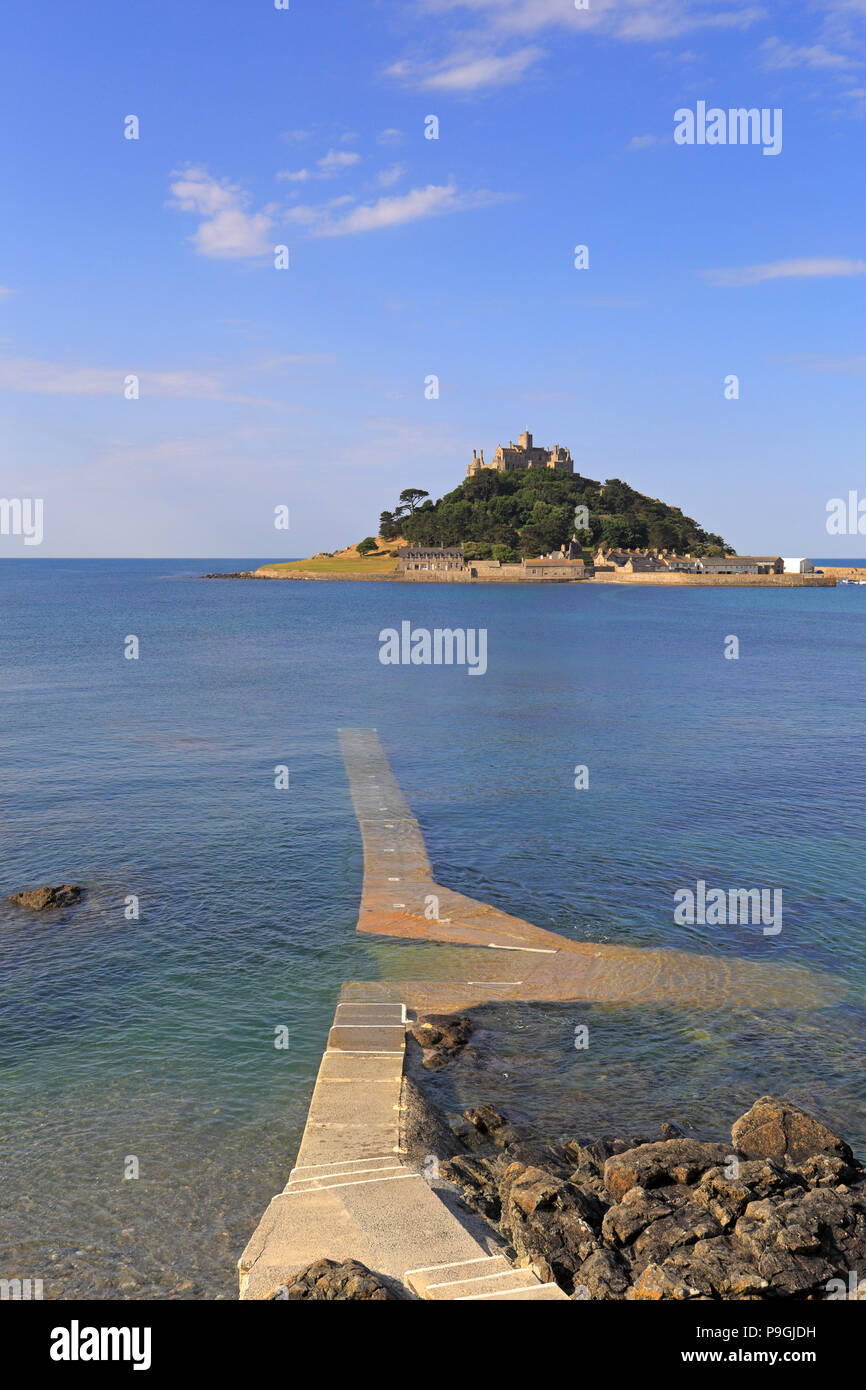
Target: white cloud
806,268
328,167
467,72
390,137
228,231
778,55
388,177
41,378
336,160
5,291
435,200
646,20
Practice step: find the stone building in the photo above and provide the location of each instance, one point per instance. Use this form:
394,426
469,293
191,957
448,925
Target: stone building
648,561
559,568
523,454
434,557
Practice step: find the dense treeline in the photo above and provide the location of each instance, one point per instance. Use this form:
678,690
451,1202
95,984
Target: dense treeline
506,515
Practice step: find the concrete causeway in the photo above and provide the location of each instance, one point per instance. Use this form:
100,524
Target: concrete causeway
354,1193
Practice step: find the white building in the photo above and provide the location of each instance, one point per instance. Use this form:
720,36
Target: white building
797,566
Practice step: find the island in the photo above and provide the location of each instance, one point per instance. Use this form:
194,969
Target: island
526,516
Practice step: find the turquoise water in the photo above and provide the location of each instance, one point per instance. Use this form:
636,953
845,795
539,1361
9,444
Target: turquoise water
154,1038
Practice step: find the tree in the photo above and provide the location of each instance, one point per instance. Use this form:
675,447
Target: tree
389,526
366,545
410,497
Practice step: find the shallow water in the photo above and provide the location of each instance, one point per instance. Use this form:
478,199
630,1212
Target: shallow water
154,1038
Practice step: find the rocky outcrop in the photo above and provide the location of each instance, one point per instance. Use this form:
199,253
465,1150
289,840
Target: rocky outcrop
780,1212
772,1129
441,1037
331,1281
41,899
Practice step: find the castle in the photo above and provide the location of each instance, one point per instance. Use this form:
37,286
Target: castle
523,454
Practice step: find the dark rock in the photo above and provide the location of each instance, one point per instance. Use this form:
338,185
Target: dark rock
41,899
486,1120
441,1037
326,1279
657,1165
603,1275
476,1179
783,1132
686,1225
727,1197
637,1210
716,1269
546,1218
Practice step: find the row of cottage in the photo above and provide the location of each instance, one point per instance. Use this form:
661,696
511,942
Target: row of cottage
568,563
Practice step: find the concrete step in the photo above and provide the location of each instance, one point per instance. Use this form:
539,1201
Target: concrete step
491,1278
537,1292
388,1038
421,1280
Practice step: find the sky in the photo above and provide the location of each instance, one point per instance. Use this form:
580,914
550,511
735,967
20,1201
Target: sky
147,266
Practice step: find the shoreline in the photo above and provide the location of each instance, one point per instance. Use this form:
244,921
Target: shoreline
715,581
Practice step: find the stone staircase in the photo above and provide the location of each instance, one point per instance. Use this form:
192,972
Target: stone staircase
353,1195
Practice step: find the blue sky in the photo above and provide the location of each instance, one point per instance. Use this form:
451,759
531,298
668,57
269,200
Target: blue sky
411,257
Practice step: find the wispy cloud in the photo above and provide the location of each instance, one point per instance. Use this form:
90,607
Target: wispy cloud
436,200
228,231
467,71
5,292
328,167
625,19
386,178
43,378
645,142
806,268
778,55
852,364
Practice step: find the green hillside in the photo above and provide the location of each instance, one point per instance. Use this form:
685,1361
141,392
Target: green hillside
531,512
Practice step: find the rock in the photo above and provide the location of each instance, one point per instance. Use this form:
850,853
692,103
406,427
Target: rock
783,1132
672,1218
326,1279
656,1283
657,1165
546,1218
486,1120
686,1225
603,1275
441,1037
41,899
727,1197
716,1269
823,1171
476,1179
637,1210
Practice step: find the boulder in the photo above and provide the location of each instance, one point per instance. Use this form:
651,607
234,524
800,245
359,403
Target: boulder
41,899
780,1131
659,1164
328,1280
441,1037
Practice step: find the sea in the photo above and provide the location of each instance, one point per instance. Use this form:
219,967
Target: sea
147,1114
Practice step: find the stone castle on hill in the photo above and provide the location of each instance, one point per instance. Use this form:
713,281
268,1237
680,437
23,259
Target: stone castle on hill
523,454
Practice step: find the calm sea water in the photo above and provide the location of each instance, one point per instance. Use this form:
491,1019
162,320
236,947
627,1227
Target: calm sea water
154,1039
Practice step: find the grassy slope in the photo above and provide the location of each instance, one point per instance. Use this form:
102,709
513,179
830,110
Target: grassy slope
336,564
